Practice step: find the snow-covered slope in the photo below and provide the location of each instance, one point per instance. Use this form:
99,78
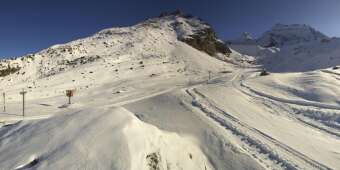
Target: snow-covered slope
108,70
116,52
96,139
152,39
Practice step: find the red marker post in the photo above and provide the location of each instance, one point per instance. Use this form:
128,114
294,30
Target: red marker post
69,94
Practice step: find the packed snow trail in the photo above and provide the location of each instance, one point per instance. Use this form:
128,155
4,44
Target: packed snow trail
296,102
213,111
284,152
308,120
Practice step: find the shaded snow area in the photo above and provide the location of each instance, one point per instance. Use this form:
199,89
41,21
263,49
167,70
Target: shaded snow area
144,100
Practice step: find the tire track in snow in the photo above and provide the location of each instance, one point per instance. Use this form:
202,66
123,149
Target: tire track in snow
235,125
250,142
272,99
289,101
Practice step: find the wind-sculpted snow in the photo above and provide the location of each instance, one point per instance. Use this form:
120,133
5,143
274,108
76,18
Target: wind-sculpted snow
95,139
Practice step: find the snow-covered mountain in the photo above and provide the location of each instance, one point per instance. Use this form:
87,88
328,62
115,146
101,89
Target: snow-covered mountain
108,71
291,48
245,38
167,94
154,38
285,35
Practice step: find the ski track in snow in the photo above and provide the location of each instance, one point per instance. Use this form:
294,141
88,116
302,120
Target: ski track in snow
212,111
277,101
235,125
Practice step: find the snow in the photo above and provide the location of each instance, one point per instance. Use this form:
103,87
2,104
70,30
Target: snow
281,34
96,139
268,122
294,48
143,100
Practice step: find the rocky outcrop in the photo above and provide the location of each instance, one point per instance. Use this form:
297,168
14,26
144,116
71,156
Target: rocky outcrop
207,41
9,70
196,33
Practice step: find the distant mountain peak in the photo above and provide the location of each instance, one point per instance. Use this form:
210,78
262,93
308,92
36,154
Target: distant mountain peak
283,34
246,36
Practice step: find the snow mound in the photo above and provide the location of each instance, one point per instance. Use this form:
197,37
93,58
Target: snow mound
96,139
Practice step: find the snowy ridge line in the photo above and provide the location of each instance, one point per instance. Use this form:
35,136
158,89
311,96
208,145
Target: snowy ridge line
296,102
250,142
330,72
287,148
333,74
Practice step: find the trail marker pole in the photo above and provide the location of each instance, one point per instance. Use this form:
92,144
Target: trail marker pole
4,96
23,92
209,76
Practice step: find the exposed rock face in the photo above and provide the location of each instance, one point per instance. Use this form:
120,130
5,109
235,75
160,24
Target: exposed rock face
196,33
207,41
9,70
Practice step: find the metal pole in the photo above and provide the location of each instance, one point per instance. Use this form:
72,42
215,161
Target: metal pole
69,99
23,101
4,95
23,104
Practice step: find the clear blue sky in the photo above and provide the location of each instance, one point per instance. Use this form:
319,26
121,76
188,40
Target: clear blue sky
27,26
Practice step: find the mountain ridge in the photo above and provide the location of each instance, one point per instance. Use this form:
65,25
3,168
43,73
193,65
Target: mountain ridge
114,42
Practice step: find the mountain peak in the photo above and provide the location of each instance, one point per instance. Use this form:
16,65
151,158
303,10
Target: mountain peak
193,31
282,34
175,13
